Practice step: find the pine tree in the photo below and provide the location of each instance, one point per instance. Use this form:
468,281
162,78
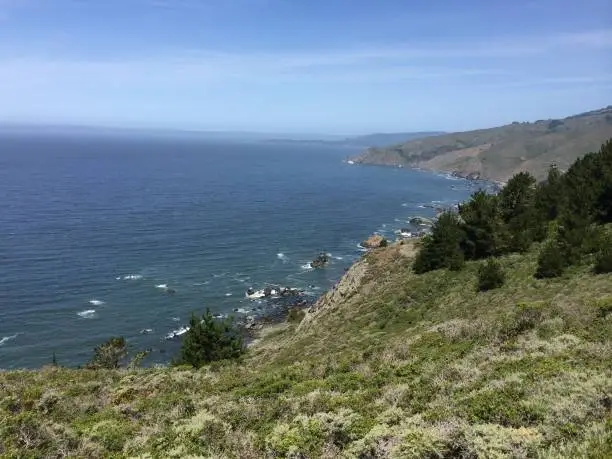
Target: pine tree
518,211
549,195
109,354
442,248
209,340
485,234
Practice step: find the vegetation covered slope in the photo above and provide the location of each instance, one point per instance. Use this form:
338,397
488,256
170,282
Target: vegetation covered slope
389,364
419,351
498,153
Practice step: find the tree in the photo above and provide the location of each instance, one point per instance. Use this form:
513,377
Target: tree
603,258
549,195
490,275
550,262
108,355
208,340
485,234
441,249
518,211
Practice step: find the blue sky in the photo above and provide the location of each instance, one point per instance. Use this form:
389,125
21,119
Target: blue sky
329,66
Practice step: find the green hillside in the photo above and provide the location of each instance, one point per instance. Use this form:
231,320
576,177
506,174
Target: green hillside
392,364
489,338
500,152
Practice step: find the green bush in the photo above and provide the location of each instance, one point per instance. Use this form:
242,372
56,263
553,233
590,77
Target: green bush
550,262
384,243
490,276
603,261
295,315
209,340
108,355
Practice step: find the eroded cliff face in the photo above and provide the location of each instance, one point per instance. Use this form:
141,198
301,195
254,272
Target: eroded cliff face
358,281
346,287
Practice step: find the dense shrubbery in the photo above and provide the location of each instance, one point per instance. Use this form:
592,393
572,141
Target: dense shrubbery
576,203
208,340
490,276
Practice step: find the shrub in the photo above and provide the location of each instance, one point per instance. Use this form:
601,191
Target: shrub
108,355
490,276
550,262
295,315
383,243
603,261
208,340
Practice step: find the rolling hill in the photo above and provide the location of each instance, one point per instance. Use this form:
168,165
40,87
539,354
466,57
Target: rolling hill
500,152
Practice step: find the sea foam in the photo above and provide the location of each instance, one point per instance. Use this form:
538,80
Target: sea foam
88,314
5,339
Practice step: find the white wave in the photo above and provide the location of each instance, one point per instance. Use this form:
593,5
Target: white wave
404,204
228,294
176,333
241,310
8,338
255,295
306,266
338,258
283,257
96,302
131,277
176,319
88,314
162,286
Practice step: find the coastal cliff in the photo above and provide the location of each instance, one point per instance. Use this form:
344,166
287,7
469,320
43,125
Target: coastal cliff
388,364
500,152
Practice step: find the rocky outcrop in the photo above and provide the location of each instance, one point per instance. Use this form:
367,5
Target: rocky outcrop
320,262
373,242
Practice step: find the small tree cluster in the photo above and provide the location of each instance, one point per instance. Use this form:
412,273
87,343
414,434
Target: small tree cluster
568,208
490,275
109,354
208,340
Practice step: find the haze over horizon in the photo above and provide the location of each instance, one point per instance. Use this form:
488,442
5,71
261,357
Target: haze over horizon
350,67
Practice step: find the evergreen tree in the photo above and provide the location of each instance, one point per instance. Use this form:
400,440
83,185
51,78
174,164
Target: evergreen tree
549,195
518,211
108,355
485,234
208,340
442,248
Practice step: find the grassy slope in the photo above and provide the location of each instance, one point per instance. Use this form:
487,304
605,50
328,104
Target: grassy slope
498,153
389,365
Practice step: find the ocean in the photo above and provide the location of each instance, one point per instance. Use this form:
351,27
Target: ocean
118,236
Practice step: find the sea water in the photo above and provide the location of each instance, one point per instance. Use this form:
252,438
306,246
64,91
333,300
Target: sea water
108,236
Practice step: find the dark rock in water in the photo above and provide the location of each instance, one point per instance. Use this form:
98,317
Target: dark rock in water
170,291
320,261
